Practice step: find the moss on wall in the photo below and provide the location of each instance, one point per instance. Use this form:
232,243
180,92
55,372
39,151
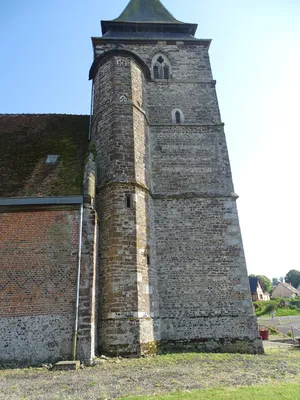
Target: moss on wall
25,143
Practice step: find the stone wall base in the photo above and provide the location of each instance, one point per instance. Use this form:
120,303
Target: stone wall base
135,337
224,345
35,340
209,345
127,337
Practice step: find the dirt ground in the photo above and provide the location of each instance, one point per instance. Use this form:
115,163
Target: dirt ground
115,378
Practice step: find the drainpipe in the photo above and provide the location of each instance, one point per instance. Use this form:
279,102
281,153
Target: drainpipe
75,336
91,110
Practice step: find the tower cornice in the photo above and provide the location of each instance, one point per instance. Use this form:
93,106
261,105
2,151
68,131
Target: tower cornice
149,27
141,40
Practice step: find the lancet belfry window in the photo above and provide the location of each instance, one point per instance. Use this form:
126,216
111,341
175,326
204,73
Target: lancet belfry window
161,67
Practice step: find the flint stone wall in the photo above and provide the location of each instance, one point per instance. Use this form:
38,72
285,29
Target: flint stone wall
197,255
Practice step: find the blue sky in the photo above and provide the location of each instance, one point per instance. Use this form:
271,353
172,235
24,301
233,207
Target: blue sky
46,54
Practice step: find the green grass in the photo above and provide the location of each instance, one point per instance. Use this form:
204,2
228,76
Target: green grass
274,392
286,312
264,308
170,376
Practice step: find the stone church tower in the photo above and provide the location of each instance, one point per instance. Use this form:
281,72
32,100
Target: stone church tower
172,272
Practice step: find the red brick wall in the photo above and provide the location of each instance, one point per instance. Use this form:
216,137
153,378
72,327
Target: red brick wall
38,262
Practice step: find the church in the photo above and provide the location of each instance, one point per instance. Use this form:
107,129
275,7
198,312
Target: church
119,232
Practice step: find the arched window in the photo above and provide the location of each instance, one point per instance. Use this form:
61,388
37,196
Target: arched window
161,67
156,72
177,116
166,72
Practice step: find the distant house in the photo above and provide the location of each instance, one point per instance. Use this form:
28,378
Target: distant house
257,291
285,290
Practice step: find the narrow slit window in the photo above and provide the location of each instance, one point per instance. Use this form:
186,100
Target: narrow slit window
148,259
177,116
128,201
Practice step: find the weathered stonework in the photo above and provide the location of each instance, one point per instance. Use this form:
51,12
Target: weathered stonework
39,260
88,294
38,279
172,265
150,236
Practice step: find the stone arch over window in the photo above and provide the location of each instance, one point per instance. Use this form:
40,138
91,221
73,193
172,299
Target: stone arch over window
158,50
161,67
177,116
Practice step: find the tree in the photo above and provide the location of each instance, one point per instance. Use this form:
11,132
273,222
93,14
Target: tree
265,282
275,281
293,277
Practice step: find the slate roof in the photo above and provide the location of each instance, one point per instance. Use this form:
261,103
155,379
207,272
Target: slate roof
148,16
146,11
253,280
25,142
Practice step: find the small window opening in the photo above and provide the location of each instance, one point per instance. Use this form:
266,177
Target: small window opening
177,116
166,72
128,201
148,259
156,72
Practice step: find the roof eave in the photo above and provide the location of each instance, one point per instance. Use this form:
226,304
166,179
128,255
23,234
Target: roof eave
53,200
107,25
98,40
